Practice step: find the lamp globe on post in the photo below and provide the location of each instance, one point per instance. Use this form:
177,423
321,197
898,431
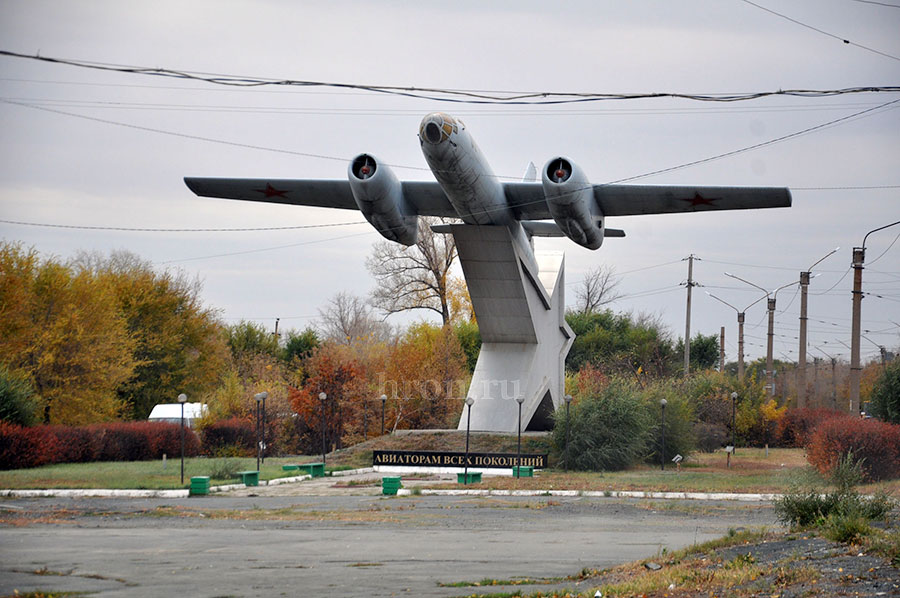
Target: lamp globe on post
519,400
568,399
322,398
383,402
469,402
182,399
734,397
260,425
662,458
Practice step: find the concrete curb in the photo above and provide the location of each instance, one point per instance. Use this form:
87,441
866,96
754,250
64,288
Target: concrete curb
109,493
732,496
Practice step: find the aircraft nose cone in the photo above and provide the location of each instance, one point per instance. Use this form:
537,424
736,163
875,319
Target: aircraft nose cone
437,128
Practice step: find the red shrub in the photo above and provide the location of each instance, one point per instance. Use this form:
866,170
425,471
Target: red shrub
797,425
874,441
235,436
22,447
75,444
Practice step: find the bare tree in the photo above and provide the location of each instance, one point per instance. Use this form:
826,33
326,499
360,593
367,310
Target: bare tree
348,318
596,289
415,277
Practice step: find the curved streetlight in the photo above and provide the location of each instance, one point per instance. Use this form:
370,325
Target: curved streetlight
772,296
859,258
805,277
182,399
322,398
469,402
519,400
740,320
662,455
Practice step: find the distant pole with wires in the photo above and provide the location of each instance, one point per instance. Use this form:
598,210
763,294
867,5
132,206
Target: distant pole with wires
771,298
804,288
722,350
687,320
859,257
740,321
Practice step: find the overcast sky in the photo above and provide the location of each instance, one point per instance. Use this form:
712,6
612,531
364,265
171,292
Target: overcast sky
61,169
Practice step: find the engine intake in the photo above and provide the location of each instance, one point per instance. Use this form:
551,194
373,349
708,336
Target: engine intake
570,197
379,196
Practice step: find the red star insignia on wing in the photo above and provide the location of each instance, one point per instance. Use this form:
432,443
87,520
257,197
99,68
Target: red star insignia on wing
699,200
271,191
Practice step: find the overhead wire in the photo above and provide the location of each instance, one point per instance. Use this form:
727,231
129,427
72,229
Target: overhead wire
181,230
439,94
823,32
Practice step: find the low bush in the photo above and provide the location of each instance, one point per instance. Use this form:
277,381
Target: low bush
797,425
22,447
679,427
26,447
235,437
841,511
711,437
608,431
875,443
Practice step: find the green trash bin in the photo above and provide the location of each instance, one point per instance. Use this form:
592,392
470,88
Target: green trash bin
523,471
199,485
249,478
390,485
473,477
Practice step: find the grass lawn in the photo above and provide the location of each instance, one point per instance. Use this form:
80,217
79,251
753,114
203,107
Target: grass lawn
143,474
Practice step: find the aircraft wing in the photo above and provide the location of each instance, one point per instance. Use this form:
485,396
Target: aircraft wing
427,198
527,199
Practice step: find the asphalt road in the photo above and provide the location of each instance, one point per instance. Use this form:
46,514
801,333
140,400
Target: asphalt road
336,545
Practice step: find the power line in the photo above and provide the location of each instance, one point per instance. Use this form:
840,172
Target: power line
181,230
877,3
817,30
441,94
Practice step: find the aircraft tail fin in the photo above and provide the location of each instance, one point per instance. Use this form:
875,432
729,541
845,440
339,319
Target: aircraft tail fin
530,175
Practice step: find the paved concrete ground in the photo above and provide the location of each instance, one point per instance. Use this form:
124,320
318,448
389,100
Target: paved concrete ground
335,541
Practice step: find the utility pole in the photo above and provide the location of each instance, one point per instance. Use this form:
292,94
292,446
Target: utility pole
740,319
722,350
687,320
859,257
833,377
770,372
804,287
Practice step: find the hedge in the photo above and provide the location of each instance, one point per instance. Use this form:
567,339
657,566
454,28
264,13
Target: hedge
875,442
22,447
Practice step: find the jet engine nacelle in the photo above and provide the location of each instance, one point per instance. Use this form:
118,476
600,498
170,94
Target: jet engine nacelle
379,196
570,197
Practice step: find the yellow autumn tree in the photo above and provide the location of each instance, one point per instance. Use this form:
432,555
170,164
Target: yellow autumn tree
64,330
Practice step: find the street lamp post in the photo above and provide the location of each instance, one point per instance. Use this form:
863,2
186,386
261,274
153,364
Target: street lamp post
804,289
772,297
469,402
260,427
182,399
322,398
740,320
734,397
662,456
383,401
519,400
568,399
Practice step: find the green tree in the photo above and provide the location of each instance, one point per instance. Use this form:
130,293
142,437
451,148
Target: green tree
18,404
470,340
704,351
620,344
885,397
250,338
300,345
